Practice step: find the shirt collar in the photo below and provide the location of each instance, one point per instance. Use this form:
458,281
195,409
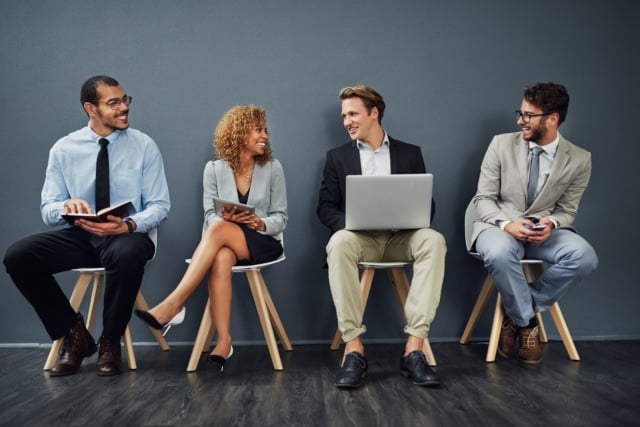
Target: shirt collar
550,148
112,137
385,142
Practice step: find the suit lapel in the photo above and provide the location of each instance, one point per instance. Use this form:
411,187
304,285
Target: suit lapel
521,155
394,155
352,160
559,164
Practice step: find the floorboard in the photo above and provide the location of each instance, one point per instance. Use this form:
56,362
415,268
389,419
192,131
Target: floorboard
603,389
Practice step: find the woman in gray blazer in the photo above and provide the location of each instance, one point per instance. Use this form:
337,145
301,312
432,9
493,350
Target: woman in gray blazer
246,173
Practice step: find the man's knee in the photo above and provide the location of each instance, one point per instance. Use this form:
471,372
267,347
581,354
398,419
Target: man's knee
342,243
17,256
587,260
428,242
496,246
131,252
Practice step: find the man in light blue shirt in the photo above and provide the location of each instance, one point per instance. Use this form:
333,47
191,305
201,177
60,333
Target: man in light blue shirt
120,245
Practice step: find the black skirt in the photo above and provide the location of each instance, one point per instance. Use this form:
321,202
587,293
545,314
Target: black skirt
262,248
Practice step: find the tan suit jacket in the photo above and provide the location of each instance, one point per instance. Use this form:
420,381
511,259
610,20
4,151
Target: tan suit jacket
502,186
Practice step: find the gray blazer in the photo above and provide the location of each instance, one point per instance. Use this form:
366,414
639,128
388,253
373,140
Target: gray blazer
502,186
268,193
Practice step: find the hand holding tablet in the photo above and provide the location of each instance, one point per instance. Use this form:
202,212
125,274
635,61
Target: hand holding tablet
228,205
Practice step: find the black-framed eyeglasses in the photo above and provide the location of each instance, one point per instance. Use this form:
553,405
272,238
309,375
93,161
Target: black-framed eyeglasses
526,117
115,103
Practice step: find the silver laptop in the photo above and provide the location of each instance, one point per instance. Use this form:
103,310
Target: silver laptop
388,202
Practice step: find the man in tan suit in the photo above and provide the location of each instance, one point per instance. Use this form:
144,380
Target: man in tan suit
528,194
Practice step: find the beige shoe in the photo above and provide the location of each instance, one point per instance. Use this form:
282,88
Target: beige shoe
508,335
530,351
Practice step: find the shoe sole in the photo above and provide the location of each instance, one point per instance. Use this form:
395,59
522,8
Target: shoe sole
109,374
349,385
63,374
429,383
531,362
352,385
504,355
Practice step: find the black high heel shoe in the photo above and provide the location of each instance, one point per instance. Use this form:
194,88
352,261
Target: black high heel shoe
148,318
218,361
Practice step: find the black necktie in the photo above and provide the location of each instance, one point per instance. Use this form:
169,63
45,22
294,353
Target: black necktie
102,176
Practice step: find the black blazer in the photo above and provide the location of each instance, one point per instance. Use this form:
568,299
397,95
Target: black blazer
345,160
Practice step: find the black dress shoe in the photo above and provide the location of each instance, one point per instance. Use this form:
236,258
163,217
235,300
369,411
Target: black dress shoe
77,344
415,366
353,370
109,357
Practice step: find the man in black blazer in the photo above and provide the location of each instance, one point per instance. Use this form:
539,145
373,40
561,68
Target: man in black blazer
373,152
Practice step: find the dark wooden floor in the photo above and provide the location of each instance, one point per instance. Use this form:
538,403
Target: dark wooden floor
603,389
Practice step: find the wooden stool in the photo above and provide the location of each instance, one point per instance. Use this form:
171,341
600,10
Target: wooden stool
532,269
400,284
96,275
267,313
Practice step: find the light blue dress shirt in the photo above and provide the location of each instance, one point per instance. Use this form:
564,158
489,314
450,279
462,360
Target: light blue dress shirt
136,173
375,162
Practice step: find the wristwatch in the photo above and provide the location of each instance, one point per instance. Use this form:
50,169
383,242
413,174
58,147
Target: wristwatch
129,223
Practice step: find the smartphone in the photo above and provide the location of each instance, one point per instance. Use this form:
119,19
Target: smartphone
538,227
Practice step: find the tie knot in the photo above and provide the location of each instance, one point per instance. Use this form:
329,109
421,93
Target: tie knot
536,151
103,142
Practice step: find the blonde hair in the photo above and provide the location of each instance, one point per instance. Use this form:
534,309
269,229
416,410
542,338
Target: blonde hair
370,98
232,130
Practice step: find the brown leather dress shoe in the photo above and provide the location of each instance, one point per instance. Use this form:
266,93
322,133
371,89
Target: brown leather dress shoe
530,351
109,357
77,344
508,335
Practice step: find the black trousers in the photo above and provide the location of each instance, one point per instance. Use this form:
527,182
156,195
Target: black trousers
32,262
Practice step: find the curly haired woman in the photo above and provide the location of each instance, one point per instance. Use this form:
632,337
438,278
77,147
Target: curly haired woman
244,172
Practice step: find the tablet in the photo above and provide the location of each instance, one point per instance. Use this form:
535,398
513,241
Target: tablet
227,204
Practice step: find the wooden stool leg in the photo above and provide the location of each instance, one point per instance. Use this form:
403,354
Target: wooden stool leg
79,291
275,318
428,353
366,279
494,337
141,304
128,346
563,330
478,308
400,284
94,302
201,339
337,339
543,331
263,315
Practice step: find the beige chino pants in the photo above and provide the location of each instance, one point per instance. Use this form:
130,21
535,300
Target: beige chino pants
425,247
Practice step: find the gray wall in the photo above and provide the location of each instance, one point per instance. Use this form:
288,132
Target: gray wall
451,72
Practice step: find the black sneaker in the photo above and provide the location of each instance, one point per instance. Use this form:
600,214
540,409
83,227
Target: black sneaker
415,366
353,370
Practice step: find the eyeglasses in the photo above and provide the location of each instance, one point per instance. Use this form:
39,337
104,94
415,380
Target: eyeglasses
115,103
526,117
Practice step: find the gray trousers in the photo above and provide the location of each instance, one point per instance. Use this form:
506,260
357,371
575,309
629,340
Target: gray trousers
569,259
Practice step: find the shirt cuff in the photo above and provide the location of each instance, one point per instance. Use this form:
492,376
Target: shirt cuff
503,224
